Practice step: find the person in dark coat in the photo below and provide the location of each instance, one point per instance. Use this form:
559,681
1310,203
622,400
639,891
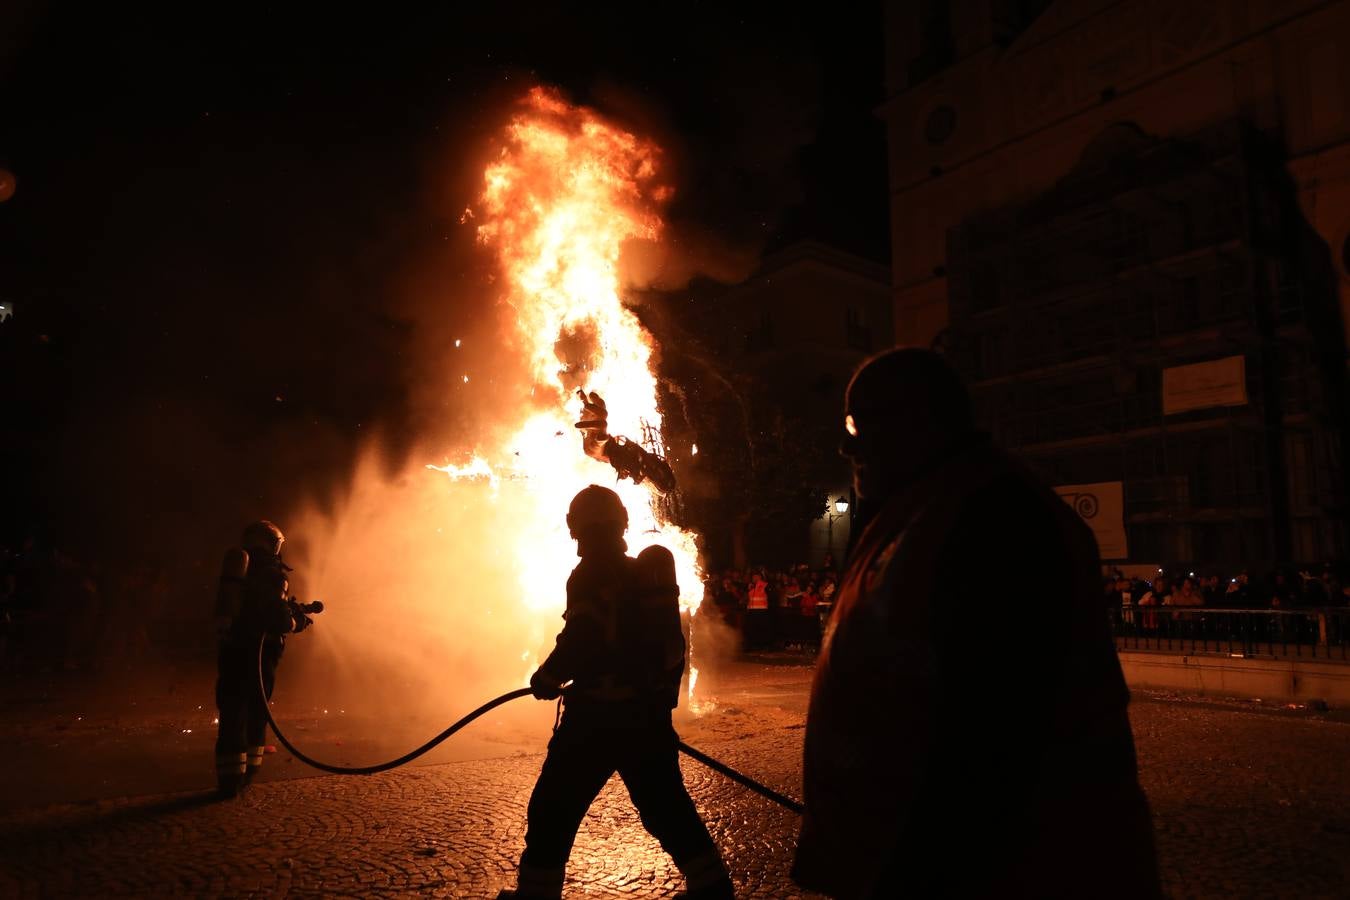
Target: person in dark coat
617,664
948,723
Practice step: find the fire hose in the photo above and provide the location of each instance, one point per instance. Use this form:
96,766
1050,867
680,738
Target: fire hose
719,767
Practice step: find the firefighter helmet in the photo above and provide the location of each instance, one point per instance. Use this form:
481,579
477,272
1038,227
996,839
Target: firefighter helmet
263,537
595,505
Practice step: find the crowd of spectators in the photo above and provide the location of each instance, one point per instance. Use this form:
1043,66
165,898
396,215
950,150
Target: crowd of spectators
1284,589
787,609
1299,605
771,609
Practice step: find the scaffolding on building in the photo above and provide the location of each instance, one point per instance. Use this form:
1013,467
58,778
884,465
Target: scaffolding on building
1065,312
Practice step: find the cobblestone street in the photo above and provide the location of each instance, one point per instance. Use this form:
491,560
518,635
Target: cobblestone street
1247,802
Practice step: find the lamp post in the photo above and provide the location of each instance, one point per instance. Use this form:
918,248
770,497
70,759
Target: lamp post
840,509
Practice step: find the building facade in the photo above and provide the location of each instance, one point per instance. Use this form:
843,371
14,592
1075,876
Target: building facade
1129,225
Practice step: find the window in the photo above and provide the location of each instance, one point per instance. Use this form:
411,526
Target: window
857,332
936,46
1011,17
939,125
984,287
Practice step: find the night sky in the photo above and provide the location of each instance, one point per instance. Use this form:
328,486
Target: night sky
233,237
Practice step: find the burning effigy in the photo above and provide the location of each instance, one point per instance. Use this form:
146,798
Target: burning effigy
629,459
451,587
565,192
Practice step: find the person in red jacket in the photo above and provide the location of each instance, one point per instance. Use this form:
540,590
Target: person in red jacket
808,628
926,740
756,626
617,664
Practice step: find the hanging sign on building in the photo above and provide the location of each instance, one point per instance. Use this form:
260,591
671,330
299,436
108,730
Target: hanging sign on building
1102,507
1219,382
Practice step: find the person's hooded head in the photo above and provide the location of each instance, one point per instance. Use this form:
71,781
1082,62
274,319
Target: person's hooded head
904,409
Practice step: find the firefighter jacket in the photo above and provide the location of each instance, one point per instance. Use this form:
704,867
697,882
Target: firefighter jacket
945,714
622,642
259,604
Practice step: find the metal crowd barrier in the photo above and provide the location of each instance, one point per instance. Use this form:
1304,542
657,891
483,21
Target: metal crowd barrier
1321,633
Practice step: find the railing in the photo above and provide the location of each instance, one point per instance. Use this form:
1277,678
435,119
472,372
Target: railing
1322,633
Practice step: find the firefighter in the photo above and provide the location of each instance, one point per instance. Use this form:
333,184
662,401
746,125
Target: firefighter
622,650
252,602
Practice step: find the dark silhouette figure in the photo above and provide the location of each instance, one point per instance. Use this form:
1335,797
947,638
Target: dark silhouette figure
926,739
252,602
623,651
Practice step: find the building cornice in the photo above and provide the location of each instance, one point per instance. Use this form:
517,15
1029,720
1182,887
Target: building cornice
932,85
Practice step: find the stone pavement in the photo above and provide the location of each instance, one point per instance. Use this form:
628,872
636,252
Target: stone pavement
1247,802
452,830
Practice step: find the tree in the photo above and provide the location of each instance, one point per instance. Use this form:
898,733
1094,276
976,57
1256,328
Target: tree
751,489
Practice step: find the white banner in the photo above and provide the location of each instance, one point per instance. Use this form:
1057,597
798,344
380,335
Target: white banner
1219,382
1102,507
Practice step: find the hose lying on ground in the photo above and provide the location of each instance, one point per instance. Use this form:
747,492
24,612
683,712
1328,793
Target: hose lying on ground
721,768
744,780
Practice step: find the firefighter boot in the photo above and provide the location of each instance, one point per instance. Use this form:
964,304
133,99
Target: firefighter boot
255,758
705,878
228,786
230,774
720,891
535,883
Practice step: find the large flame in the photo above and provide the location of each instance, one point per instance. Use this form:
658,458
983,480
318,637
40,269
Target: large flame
566,192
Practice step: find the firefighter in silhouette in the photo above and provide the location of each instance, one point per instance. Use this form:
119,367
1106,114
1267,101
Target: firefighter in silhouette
622,650
252,602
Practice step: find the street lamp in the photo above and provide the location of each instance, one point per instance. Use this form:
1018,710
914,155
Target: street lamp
840,509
